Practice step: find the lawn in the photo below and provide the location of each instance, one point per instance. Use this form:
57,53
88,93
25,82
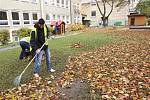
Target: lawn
10,66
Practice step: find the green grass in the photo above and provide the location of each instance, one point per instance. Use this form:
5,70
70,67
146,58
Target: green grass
10,66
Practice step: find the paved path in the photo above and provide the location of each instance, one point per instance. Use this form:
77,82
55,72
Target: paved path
52,37
8,48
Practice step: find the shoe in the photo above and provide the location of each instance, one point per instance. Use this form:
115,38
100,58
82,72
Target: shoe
36,75
52,70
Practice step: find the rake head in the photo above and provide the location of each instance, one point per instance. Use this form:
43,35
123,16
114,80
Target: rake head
17,80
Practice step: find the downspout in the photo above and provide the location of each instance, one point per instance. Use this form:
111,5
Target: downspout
70,11
41,9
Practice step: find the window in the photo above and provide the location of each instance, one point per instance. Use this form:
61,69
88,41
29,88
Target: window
34,1
63,18
58,2
75,8
26,18
67,20
46,2
15,18
93,2
62,2
54,17
52,2
16,38
35,18
67,3
3,18
47,18
58,17
75,19
93,13
25,0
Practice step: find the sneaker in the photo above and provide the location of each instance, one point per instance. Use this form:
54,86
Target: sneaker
52,70
36,75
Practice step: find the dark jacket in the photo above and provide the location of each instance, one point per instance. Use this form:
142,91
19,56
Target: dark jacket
39,40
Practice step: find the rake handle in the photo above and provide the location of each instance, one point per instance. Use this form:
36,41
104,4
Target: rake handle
31,61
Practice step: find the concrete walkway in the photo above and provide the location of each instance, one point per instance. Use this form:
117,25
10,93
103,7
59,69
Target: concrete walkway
51,38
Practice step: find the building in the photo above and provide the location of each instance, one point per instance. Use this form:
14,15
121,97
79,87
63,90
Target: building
132,6
90,12
75,11
15,14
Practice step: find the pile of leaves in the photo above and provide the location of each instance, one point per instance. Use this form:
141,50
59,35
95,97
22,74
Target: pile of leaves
75,27
36,89
76,45
118,71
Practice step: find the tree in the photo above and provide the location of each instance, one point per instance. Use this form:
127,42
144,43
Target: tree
4,36
104,15
144,7
122,3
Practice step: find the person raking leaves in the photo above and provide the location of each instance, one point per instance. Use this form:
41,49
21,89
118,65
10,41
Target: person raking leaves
39,37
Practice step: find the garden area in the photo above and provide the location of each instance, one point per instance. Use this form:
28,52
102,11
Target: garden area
96,64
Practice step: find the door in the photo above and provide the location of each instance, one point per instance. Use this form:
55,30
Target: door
132,21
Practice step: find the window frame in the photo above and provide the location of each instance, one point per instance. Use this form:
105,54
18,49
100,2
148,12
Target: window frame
92,13
24,20
7,21
16,20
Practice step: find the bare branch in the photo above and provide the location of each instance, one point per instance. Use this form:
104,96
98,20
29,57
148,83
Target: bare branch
111,8
104,4
99,8
109,3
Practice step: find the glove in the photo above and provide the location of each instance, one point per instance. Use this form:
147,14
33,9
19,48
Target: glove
38,51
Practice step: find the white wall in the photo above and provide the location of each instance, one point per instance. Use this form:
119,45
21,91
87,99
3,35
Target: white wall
30,7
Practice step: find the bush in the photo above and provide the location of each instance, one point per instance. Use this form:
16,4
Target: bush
75,27
23,32
4,36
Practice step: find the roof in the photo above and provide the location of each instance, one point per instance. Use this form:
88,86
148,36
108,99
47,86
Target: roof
136,15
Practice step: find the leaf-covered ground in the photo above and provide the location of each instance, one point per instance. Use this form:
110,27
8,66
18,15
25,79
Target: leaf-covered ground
119,71
116,71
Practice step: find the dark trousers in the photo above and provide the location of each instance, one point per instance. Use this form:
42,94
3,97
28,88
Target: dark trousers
25,48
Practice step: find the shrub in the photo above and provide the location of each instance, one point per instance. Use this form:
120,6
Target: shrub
4,36
23,32
75,27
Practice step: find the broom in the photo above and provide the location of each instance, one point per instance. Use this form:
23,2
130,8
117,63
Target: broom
17,80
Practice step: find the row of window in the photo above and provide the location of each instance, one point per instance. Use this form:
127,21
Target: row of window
27,17
59,3
76,8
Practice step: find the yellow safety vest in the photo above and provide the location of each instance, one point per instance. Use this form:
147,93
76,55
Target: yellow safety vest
27,39
45,34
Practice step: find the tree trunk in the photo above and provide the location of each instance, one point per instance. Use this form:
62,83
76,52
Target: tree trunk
103,14
105,21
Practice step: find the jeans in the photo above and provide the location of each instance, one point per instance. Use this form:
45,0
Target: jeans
38,60
25,46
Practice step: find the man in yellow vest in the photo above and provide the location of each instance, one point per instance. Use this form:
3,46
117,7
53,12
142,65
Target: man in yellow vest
39,36
25,45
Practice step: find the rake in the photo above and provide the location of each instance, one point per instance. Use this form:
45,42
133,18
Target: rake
17,80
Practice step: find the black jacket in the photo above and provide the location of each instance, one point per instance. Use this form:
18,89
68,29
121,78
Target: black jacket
39,40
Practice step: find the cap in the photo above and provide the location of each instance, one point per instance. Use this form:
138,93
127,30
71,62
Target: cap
41,21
